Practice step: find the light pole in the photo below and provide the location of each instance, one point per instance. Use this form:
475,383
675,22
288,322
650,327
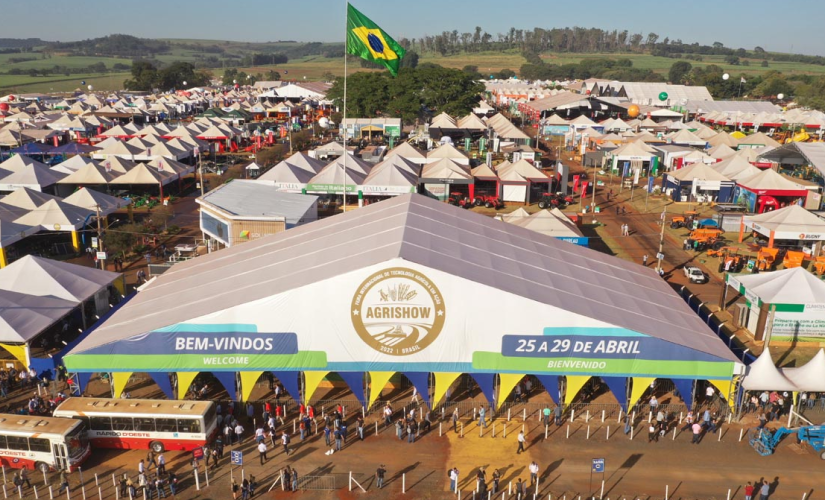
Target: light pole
660,255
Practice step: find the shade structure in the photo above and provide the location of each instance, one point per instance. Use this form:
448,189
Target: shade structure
119,149
90,199
410,252
19,162
31,148
72,165
723,138
395,176
142,174
34,177
26,198
763,375
73,148
166,164
548,222
11,232
56,216
789,223
787,286
735,168
338,176
446,171
447,151
90,175
50,278
213,133
810,376
117,165
408,151
23,317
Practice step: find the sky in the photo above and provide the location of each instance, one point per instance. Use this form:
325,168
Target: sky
794,27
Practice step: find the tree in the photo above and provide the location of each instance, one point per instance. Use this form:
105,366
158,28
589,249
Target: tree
764,63
651,39
505,74
144,76
759,50
733,60
173,76
773,84
472,71
678,72
326,76
410,59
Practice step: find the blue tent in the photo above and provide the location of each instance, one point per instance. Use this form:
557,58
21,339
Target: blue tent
708,222
73,148
31,148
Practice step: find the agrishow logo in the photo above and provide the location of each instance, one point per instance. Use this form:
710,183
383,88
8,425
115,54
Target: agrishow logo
398,311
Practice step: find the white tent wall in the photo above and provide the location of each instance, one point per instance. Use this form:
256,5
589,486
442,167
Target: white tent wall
514,192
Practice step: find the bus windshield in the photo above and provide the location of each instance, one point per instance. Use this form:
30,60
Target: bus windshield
77,441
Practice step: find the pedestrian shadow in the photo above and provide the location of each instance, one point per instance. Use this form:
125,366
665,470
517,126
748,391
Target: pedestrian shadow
301,454
398,475
472,476
515,475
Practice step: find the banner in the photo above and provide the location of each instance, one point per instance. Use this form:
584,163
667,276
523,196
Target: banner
185,380
355,382
486,382
685,389
378,380
164,384
290,382
551,385
119,381
248,381
507,381
618,387
443,381
574,385
229,382
640,385
312,381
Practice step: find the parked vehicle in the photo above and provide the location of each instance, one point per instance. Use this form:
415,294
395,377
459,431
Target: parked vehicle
458,199
695,275
488,201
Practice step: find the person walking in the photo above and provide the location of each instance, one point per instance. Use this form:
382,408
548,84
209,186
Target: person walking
150,460
294,479
651,434
24,477
285,442
379,476
697,432
519,495
534,472
262,451
161,464
359,425
453,479
455,420
496,481
239,433
644,260
235,489
749,491
764,490
482,422
546,414
520,442
173,483
557,415
219,446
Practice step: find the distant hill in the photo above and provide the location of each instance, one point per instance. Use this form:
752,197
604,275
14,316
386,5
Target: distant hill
20,43
112,46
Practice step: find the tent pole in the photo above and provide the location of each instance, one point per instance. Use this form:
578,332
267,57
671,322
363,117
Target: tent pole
344,120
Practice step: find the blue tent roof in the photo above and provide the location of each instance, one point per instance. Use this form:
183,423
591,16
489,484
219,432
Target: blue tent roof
708,222
73,148
31,148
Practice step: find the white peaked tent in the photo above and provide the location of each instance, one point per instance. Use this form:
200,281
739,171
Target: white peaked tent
335,179
515,215
788,223
393,176
551,223
11,232
34,177
56,216
763,375
788,286
723,138
735,168
23,317
721,152
91,200
91,174
50,278
18,162
447,151
811,376
26,198
72,165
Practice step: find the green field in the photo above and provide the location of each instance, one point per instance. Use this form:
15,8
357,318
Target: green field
313,67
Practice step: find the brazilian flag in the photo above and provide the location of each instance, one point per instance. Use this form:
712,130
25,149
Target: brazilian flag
366,40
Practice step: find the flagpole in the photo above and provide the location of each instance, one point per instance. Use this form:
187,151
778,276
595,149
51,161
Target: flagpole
344,120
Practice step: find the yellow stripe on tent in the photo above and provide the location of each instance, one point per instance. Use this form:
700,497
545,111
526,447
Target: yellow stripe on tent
507,381
119,381
640,385
443,381
248,380
185,380
574,385
724,390
378,380
311,382
18,351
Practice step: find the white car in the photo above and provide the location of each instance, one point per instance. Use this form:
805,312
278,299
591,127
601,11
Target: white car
695,275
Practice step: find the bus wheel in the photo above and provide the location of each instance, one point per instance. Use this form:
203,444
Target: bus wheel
42,467
156,446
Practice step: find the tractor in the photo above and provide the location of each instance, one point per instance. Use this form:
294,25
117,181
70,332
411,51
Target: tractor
488,201
458,199
551,200
707,238
765,442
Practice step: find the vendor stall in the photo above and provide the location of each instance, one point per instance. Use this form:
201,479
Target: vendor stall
768,191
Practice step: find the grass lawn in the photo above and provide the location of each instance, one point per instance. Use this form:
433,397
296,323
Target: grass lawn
60,83
67,61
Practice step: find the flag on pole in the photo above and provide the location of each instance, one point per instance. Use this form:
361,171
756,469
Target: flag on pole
366,40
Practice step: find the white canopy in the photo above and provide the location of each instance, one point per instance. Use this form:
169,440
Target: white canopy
811,376
56,216
11,232
762,375
549,222
50,278
33,176
788,223
26,198
23,317
698,171
90,200
788,286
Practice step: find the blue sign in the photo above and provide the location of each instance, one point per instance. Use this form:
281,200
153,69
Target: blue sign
598,465
228,341
236,457
582,241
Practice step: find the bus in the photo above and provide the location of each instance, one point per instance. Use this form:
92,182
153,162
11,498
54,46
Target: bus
42,443
143,423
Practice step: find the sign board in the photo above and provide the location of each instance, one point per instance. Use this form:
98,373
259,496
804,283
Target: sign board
94,241
197,453
236,457
598,465
101,255
660,256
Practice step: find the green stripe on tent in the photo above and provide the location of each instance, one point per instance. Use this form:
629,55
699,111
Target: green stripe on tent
791,308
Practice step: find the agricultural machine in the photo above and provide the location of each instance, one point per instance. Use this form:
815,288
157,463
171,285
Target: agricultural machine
554,200
488,201
707,238
764,441
458,199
